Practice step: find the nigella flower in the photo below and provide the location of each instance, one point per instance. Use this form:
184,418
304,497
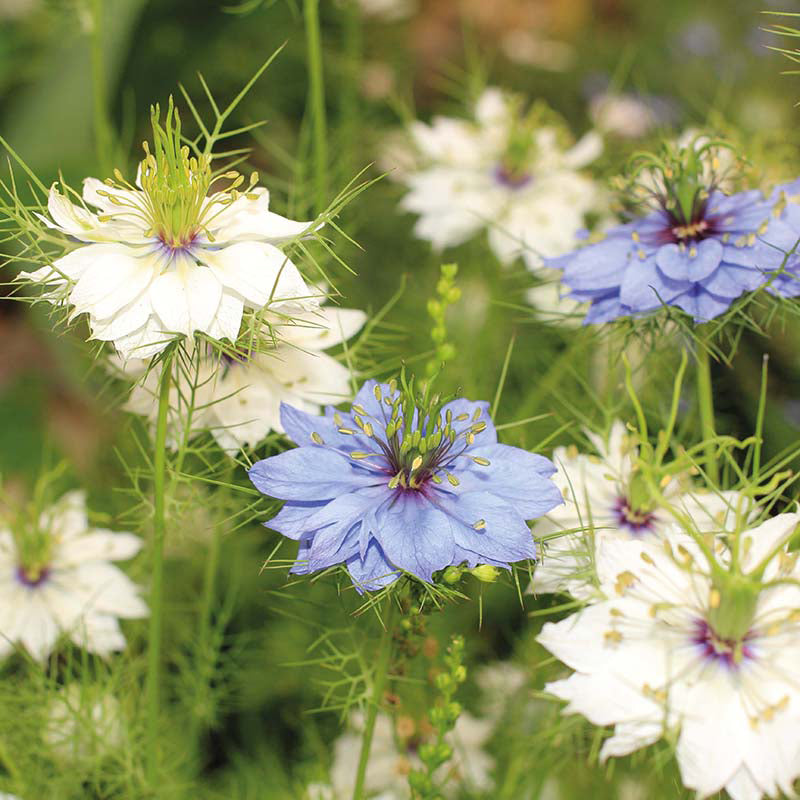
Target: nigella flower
507,171
84,722
703,652
173,254
56,578
404,484
238,398
695,248
782,240
394,755
605,500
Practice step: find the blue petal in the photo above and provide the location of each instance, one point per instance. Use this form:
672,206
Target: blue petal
299,425
702,305
292,519
598,266
505,537
646,288
520,478
467,409
310,473
333,545
373,571
342,512
604,309
744,212
415,535
689,263
729,281
366,399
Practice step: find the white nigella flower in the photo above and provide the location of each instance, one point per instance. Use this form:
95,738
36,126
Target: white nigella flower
84,722
56,578
173,254
390,762
238,398
703,650
387,10
604,501
506,171
622,114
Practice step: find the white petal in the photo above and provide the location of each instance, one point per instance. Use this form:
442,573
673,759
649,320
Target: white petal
257,271
228,319
249,218
117,276
766,538
327,327
99,545
186,301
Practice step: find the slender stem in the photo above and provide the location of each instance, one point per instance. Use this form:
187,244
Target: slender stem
317,104
350,118
379,678
705,401
157,584
102,125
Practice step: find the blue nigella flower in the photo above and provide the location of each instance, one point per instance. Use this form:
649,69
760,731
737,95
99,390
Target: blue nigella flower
696,248
404,484
782,240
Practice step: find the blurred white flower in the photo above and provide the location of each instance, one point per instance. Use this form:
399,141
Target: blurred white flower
56,578
387,10
387,772
506,171
624,115
238,398
171,255
499,683
603,502
709,656
84,722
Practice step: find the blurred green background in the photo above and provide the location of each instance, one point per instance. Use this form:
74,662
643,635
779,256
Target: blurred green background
693,64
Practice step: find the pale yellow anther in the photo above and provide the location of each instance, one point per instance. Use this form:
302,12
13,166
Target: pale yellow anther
316,438
612,637
480,525
714,598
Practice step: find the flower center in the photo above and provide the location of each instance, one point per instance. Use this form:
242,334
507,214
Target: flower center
32,576
730,652
176,203
693,231
511,179
636,520
421,441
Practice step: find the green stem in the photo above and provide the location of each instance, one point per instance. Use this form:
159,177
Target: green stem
350,116
157,585
379,679
705,401
317,104
102,126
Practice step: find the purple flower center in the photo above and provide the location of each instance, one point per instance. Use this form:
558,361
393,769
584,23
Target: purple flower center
637,521
510,178
174,244
32,577
729,652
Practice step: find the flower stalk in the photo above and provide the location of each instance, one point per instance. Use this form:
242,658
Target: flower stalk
157,584
379,680
102,125
317,104
705,402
